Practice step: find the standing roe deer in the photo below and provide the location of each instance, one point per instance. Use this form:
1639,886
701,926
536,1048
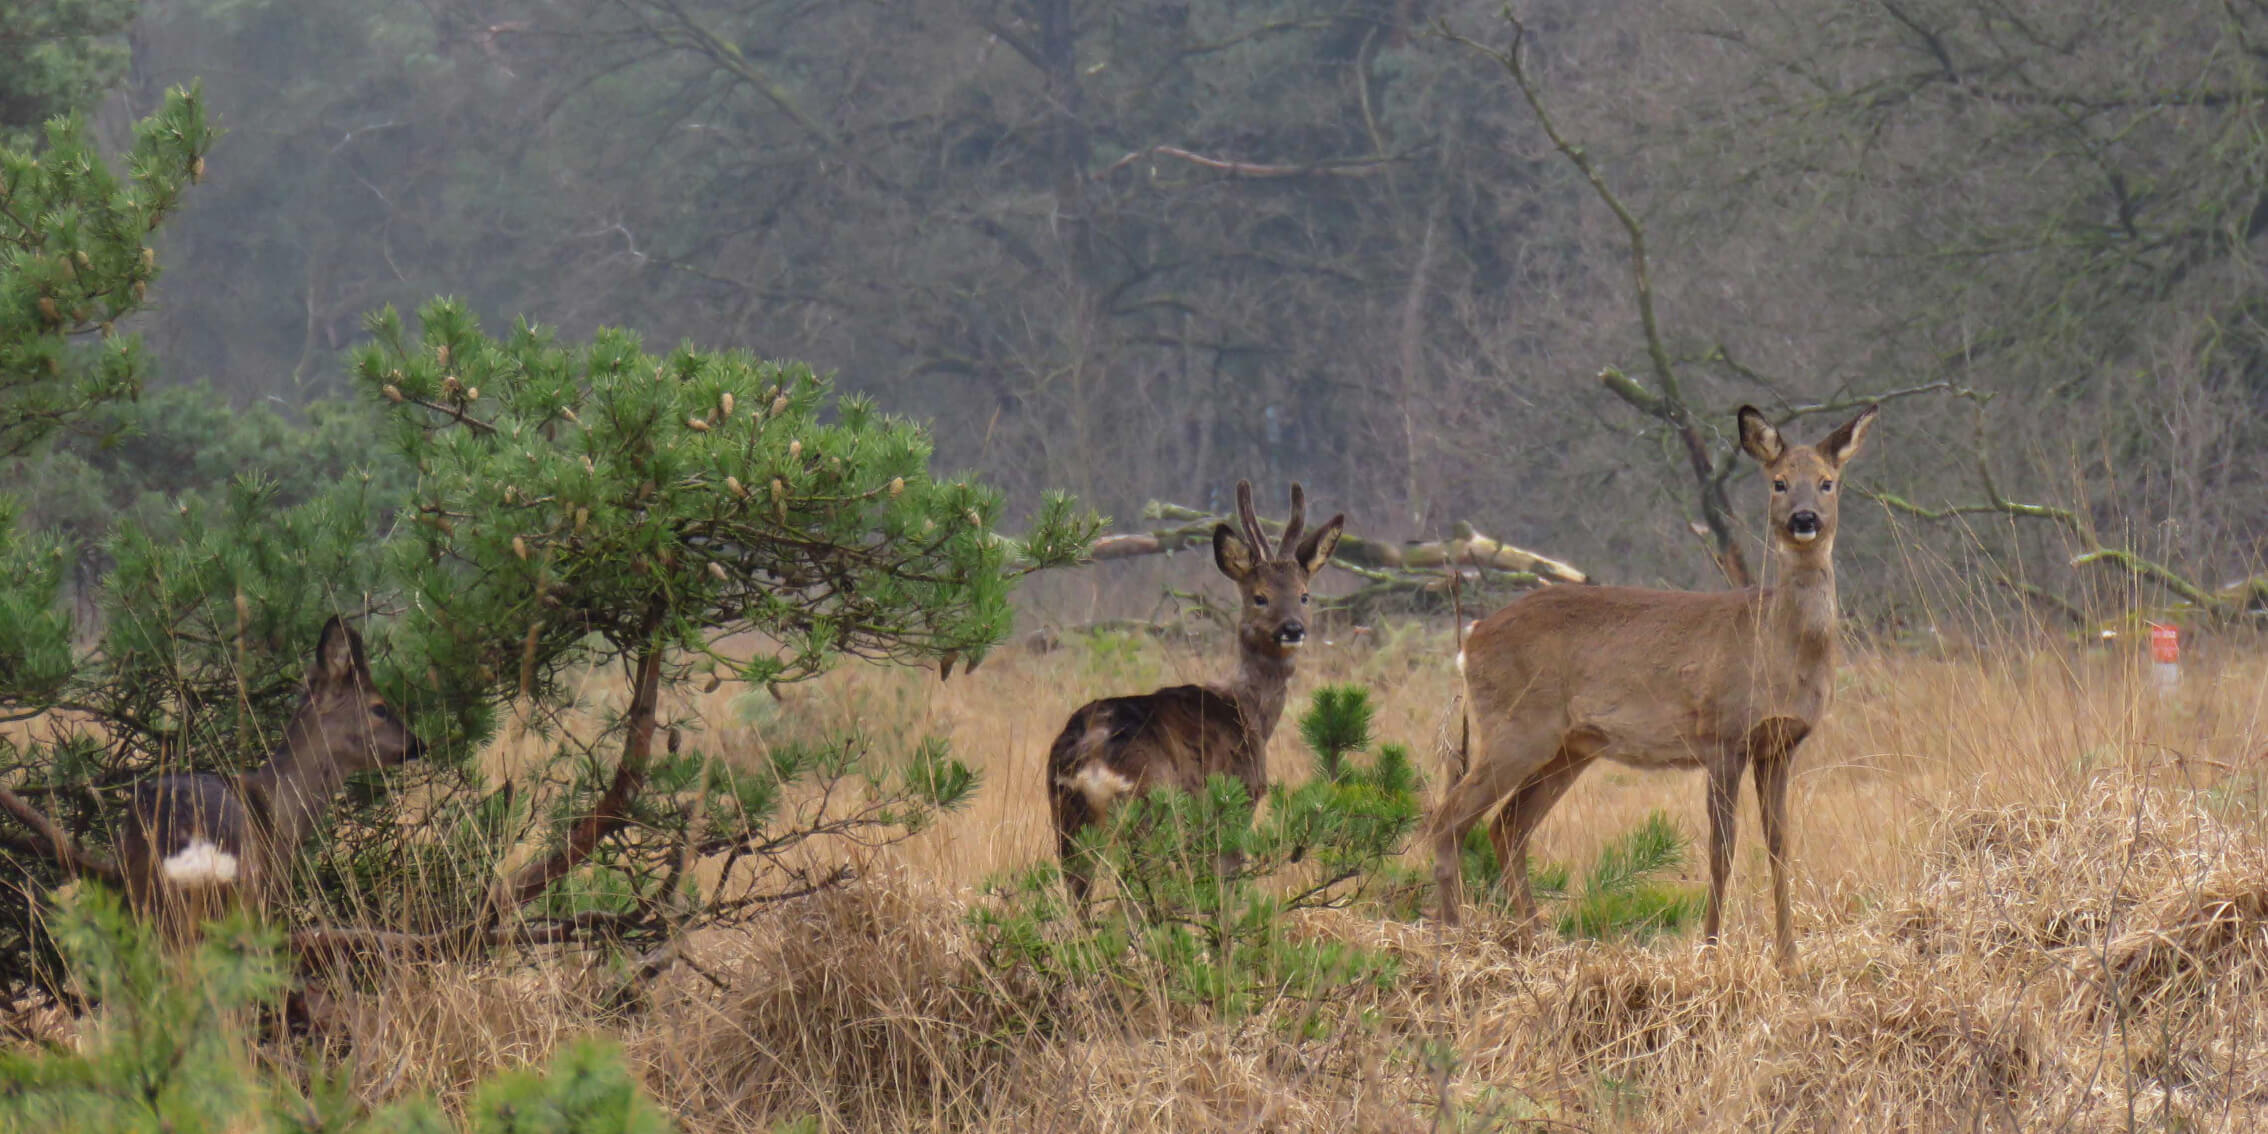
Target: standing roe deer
195,843
1178,736
1660,679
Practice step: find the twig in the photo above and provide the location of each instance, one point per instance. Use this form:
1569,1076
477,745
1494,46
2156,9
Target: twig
456,413
1359,167
59,845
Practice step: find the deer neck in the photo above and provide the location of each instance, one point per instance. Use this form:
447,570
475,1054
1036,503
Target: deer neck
295,788
1799,607
1262,679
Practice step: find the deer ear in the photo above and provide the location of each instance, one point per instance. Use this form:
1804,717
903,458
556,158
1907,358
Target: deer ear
1232,555
339,658
1316,549
1757,437
1843,444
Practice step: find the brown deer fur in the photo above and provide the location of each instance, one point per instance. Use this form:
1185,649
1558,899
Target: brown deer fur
1179,736
1660,679
194,844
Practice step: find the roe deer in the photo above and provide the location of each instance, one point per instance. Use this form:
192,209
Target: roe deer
1660,679
194,843
1178,736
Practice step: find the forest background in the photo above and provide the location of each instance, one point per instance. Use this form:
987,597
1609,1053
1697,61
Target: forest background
1137,250
1444,263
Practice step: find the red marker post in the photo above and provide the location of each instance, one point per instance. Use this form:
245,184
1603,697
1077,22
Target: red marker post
2165,656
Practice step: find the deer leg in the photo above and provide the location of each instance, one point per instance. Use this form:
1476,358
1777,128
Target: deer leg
1494,774
1724,803
1519,818
1071,816
1775,758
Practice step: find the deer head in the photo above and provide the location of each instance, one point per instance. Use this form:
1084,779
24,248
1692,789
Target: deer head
1804,479
344,722
1272,613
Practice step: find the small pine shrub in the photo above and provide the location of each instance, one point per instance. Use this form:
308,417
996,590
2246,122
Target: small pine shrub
168,1048
1203,891
1336,723
1547,879
1623,895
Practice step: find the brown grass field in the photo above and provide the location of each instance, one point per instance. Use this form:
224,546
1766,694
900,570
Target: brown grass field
2032,894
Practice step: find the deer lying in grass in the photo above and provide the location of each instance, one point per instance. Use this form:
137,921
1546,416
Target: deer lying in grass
1179,736
1660,679
194,844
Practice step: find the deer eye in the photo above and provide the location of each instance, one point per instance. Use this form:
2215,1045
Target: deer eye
1303,598
1779,486
1826,486
1259,600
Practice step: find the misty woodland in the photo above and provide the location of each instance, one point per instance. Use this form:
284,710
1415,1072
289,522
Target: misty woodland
1133,565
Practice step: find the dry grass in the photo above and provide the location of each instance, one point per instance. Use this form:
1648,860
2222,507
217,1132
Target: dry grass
2032,894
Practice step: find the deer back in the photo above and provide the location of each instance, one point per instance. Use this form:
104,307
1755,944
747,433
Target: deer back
1175,737
1654,677
192,833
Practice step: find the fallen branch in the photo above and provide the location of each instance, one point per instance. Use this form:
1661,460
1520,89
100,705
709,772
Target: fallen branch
1418,573
2142,568
1465,547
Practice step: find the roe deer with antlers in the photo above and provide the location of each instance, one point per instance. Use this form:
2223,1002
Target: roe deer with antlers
1179,736
1660,679
195,843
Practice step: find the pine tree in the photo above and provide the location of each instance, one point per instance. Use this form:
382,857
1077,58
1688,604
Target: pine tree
75,259
694,518
56,59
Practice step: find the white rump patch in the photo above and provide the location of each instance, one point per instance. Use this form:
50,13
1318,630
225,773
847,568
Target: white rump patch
1460,663
1101,784
201,862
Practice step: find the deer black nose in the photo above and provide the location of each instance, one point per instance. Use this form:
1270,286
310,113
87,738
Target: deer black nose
1804,523
1291,633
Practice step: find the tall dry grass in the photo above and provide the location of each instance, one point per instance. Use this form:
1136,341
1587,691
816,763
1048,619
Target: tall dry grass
2032,894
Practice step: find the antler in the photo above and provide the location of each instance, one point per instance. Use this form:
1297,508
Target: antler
1298,522
1252,536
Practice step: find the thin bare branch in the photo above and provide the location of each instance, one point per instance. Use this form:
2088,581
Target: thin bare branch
57,844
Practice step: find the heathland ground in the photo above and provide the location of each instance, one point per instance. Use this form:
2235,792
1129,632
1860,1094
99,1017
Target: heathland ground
2032,893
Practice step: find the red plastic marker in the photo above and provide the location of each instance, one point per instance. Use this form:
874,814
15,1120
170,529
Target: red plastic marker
2165,655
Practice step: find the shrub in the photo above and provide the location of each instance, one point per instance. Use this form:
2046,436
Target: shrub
1203,892
1622,895
669,522
169,1048
555,512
